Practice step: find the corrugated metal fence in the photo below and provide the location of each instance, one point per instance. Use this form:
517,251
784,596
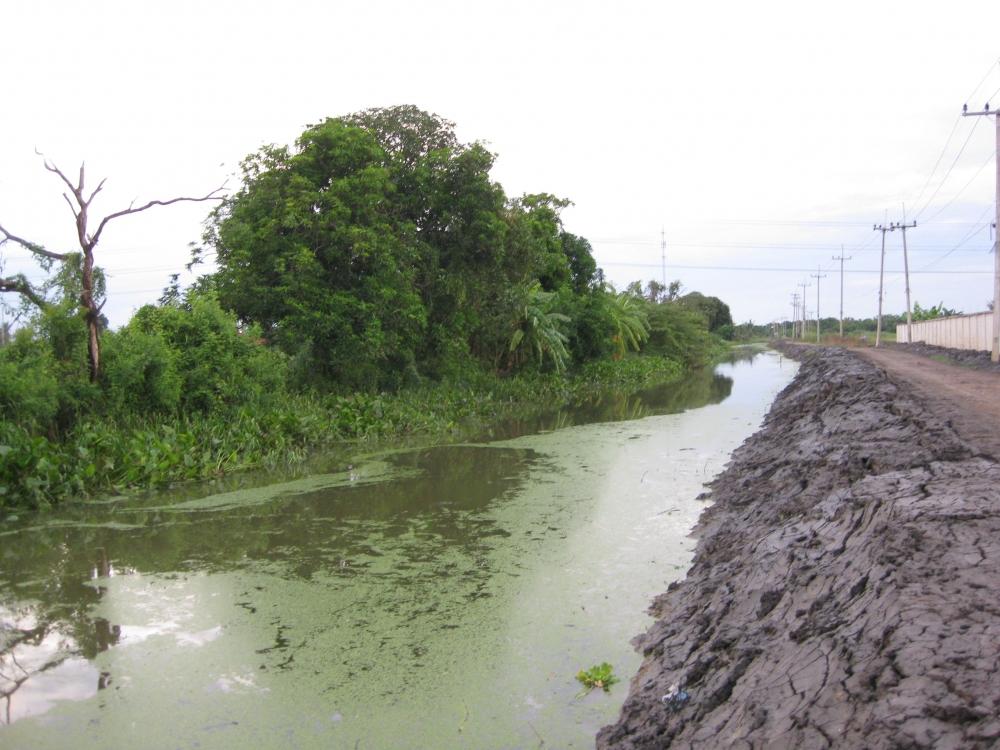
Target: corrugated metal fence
955,332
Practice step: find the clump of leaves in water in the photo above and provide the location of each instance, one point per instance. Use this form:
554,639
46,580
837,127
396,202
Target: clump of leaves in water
599,676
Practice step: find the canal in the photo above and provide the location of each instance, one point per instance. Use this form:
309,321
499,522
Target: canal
437,597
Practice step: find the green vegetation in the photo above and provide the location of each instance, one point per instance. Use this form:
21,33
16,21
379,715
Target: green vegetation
935,311
854,328
599,676
371,282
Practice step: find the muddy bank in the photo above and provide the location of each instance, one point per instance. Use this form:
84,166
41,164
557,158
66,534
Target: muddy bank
844,588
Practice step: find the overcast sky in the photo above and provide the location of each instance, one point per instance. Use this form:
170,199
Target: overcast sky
758,135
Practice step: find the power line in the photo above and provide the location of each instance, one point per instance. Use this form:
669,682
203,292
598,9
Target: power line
966,187
948,173
771,268
986,76
940,157
968,236
954,127
797,246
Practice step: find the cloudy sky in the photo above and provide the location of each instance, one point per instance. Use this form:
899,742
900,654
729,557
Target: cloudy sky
760,137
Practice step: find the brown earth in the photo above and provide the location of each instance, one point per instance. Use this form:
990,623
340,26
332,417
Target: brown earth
844,592
968,397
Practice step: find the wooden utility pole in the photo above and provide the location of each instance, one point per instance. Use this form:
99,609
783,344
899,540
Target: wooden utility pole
841,258
995,349
881,277
817,276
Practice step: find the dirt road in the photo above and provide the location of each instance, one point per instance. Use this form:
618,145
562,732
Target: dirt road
967,398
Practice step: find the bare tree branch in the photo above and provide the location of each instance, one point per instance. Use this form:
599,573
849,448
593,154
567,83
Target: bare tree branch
94,194
32,247
20,285
80,205
55,170
214,195
70,204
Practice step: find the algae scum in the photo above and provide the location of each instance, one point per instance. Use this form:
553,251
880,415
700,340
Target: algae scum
441,597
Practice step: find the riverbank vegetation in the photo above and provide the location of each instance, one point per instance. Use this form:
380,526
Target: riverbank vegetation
369,282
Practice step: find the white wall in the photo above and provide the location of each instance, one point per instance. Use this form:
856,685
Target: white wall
955,332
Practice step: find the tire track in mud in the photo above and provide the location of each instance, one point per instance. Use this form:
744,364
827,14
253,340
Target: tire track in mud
844,588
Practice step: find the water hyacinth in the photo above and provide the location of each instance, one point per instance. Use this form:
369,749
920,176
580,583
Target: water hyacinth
101,456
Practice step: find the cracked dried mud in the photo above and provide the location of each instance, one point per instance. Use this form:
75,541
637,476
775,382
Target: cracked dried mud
844,588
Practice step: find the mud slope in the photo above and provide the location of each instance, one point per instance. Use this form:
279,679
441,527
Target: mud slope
845,590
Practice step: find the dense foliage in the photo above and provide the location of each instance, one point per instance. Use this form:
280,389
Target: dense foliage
378,251
371,281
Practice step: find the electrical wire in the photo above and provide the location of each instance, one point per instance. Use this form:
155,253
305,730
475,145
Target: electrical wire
993,96
944,179
986,76
765,246
954,128
774,269
965,239
959,193
947,143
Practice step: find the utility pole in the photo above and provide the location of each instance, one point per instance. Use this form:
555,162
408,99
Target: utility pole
795,311
995,354
802,330
841,258
817,276
906,270
663,256
881,276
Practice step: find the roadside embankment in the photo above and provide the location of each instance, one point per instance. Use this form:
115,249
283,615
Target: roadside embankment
844,588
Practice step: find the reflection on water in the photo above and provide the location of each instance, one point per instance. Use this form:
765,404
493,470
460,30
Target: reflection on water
437,597
412,526
702,387
43,661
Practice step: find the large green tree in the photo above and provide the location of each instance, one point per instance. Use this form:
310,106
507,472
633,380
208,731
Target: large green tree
379,247
308,248
714,310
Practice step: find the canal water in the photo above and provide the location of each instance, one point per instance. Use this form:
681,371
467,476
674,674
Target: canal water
440,597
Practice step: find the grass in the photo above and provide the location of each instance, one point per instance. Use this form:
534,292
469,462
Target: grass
851,338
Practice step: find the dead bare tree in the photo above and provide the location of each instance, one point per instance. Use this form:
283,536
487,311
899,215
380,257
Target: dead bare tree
79,203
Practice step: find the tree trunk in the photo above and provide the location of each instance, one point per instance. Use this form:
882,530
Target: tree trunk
79,205
92,315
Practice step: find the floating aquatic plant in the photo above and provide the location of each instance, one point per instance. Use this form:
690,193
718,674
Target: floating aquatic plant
599,676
